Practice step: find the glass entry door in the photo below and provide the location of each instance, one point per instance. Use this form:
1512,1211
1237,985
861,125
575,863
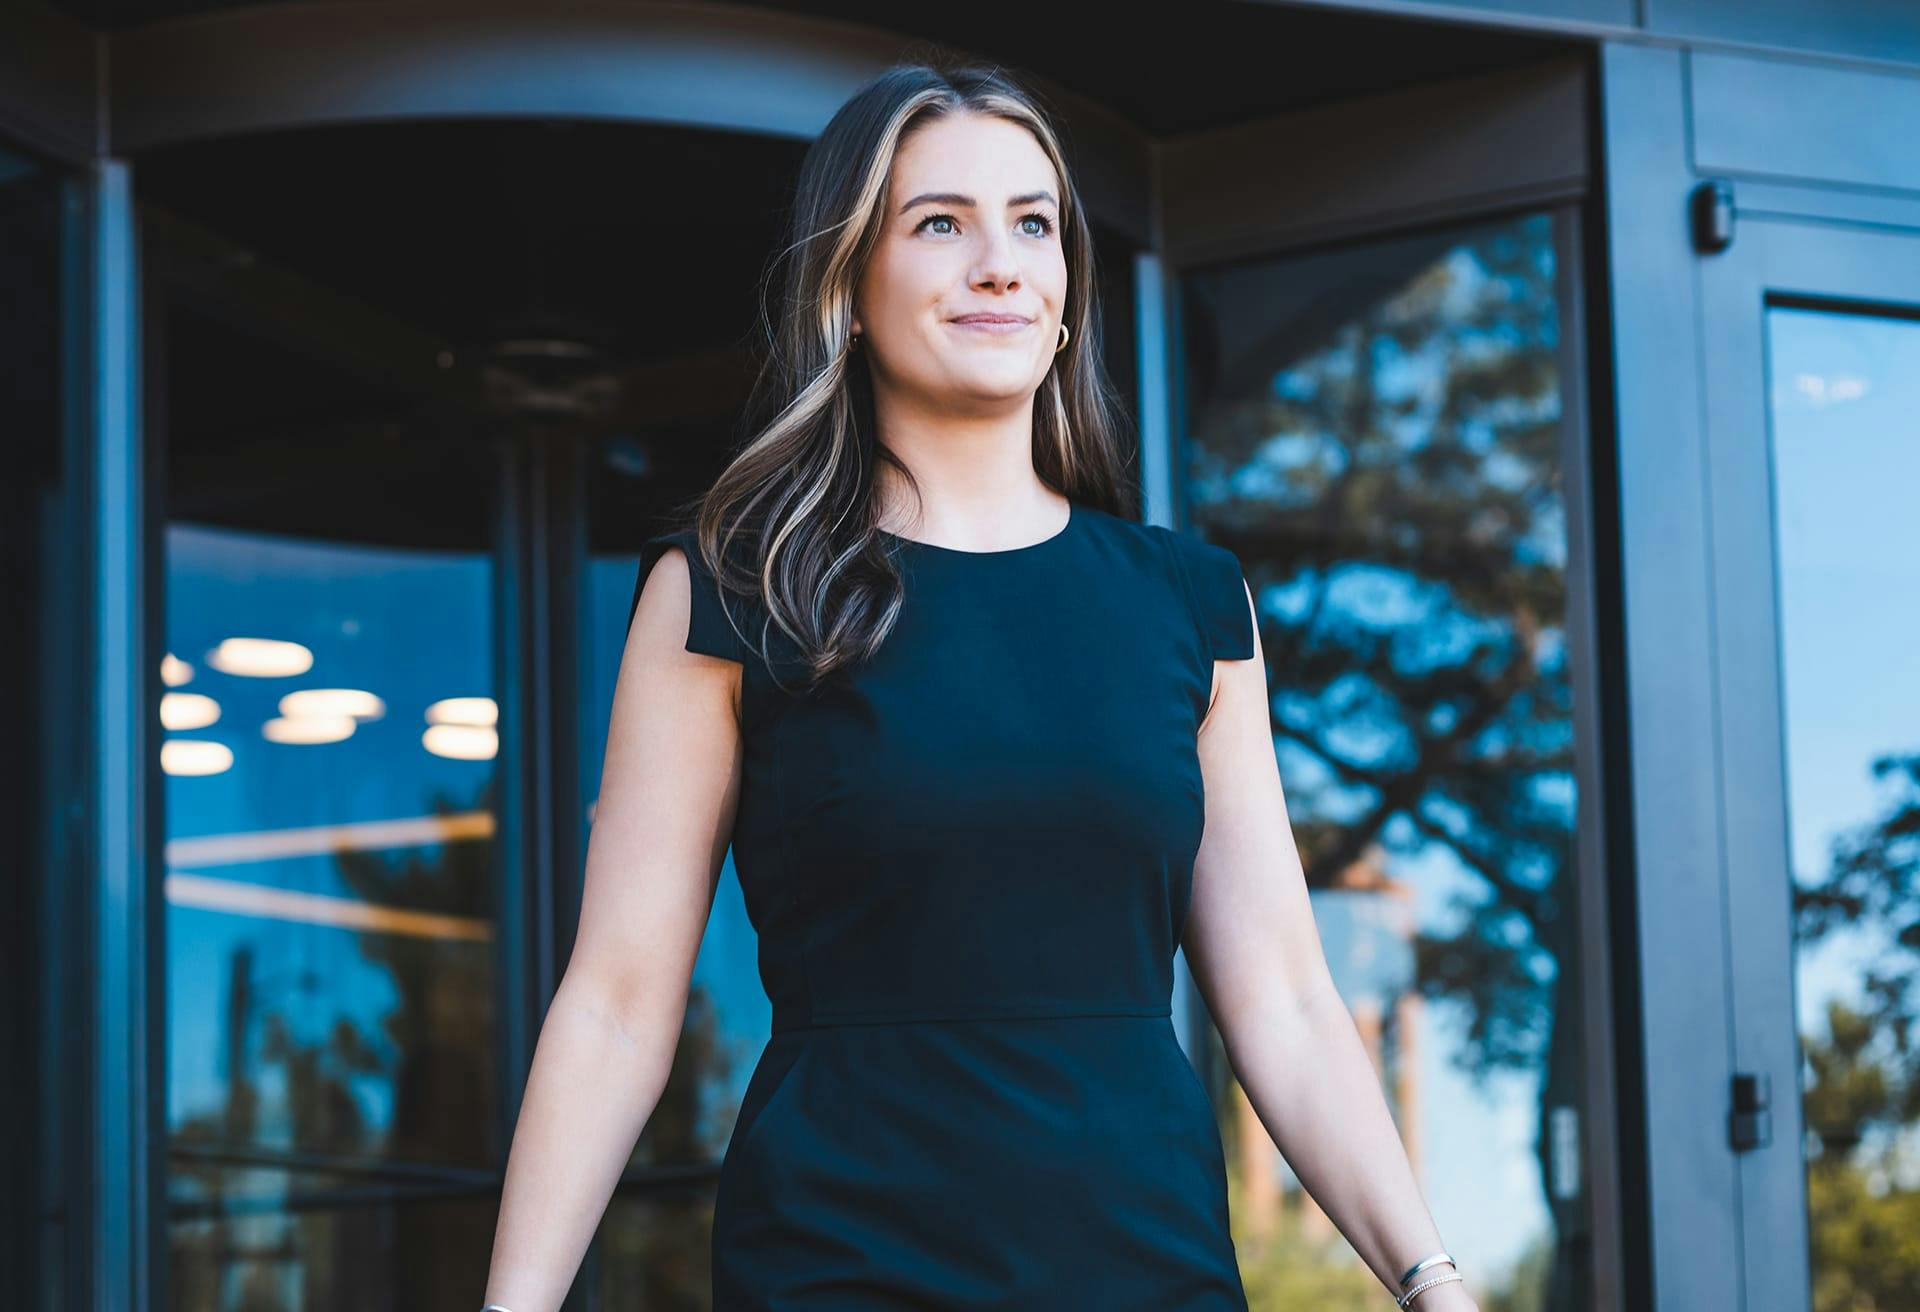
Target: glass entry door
1813,388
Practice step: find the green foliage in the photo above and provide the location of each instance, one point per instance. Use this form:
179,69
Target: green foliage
1866,1244
1861,1093
1287,1271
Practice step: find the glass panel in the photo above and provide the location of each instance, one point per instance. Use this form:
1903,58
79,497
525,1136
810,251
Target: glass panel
331,775
330,772
728,1017
252,1237
1376,432
1844,391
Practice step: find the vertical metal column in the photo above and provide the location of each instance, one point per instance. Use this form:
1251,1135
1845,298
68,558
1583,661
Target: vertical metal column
1153,297
1668,876
122,907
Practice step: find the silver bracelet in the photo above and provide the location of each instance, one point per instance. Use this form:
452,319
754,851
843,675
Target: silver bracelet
1407,1297
1412,1271
496,1307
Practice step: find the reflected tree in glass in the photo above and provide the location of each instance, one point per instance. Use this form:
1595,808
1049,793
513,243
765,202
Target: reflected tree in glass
1845,458
321,1238
1861,1077
1377,433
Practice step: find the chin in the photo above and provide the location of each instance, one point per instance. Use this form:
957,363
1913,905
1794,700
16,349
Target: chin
998,378
994,389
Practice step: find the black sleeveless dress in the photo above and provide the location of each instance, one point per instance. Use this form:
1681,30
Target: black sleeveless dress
969,865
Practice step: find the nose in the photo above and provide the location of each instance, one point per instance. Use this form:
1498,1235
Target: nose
996,261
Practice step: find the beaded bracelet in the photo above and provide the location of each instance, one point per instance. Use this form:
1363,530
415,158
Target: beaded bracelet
1428,1283
1422,1265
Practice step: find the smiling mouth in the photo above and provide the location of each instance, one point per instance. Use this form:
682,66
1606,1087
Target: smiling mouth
992,325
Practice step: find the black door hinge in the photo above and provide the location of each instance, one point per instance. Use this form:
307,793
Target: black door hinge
1712,205
1750,1124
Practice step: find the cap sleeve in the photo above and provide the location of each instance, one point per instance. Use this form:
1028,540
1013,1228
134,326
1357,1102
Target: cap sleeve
1219,595
708,629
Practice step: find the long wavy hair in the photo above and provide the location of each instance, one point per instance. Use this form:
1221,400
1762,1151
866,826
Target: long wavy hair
790,525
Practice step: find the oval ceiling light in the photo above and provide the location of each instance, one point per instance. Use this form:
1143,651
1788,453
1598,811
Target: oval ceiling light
194,756
303,729
187,710
174,671
461,742
354,702
476,711
260,658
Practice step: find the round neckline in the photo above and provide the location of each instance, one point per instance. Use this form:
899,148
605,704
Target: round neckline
1073,517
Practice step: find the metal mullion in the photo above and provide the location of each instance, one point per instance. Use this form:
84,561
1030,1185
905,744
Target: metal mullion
517,833
122,1222
1587,651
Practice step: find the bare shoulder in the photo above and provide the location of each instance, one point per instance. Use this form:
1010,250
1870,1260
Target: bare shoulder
675,638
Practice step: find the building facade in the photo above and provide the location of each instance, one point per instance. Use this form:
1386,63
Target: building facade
1552,366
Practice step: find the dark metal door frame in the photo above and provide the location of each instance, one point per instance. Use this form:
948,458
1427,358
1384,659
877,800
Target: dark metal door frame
1855,269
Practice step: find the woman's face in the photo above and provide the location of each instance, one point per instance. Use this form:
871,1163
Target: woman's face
972,229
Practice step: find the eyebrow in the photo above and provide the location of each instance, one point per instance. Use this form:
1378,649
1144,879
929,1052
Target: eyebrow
968,202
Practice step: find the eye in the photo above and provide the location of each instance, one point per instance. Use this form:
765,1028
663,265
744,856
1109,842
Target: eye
1046,223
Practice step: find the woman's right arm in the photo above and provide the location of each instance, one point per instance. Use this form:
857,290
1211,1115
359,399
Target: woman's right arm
654,852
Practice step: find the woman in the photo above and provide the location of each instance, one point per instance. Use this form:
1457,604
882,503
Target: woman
963,722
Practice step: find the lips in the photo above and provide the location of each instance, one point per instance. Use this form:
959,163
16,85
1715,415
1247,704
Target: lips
992,318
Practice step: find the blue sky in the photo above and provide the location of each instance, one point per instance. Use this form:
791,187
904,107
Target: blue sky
1844,400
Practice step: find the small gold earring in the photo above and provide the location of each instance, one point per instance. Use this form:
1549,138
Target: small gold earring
1064,334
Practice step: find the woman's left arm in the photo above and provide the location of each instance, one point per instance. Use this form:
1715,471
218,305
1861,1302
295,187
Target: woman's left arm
1257,960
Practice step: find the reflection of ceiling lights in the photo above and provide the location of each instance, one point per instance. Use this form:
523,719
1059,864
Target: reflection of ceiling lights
352,702
308,729
260,658
325,840
191,756
244,898
187,710
464,710
174,671
461,742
